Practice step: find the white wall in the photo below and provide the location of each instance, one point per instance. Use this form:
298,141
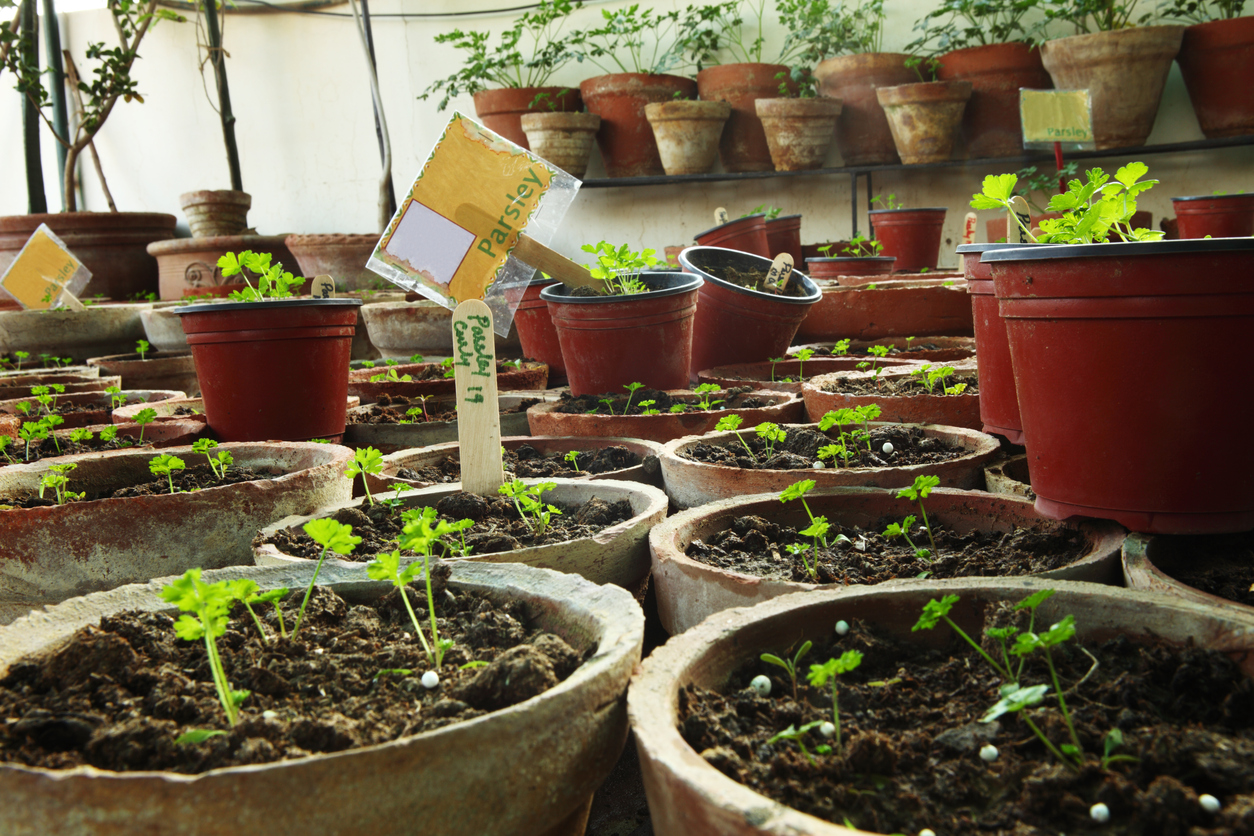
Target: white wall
310,160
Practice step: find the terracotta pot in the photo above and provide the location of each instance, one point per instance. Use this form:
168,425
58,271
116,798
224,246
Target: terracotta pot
743,145
862,132
1211,55
213,213
1215,216
501,110
747,234
389,438
996,71
273,370
1124,71
852,272
925,118
163,329
690,797
399,330
690,484
735,324
770,375
158,370
910,349
783,235
529,376
52,553
689,591
113,245
74,378
191,264
949,410
687,133
1094,430
342,257
1149,562
912,236
1009,476
928,307
798,131
96,407
544,418
610,341
181,408
564,139
625,138
536,333
999,399
569,737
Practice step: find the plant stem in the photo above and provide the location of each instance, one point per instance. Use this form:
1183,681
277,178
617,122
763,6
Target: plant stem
417,628
219,679
978,649
1065,761
1062,702
435,630
308,591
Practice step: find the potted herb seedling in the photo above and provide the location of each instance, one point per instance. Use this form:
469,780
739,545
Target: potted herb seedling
859,257
799,128
561,137
925,115
947,395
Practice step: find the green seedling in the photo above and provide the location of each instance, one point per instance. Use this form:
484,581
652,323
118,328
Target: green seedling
677,408
145,417
820,675
32,431
366,460
527,500
803,355
368,364
902,529
918,492
246,591
5,442
1027,643
862,247
889,202
109,433
23,407
789,665
797,735
935,612
141,348
415,358
47,395
81,435
272,280
447,365
572,456
332,536
56,479
818,528
631,392
707,391
773,361
620,267
390,376
731,423
165,465
116,398
52,422
21,357
646,407
879,352
771,434
219,463
1112,741
391,362
609,404
205,608
395,503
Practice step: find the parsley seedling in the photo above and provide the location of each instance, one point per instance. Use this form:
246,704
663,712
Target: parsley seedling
205,608
165,465
817,529
332,536
365,460
56,479
527,500
918,492
731,423
219,463
829,670
789,665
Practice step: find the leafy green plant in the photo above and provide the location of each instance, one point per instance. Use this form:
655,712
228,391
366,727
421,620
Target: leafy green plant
246,591
817,530
46,396
366,460
1033,180
620,267
771,434
631,388
797,735
116,398
706,391
390,376
273,282
789,664
81,435
528,501
918,492
646,407
635,40
958,24
572,456
219,463
109,433
333,536
731,423
5,443
1095,15
888,201
144,417
860,246
31,431
924,68
205,608
902,530
935,612
141,348
820,675
56,479
1203,11
166,465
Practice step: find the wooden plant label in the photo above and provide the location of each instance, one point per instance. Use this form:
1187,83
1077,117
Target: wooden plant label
43,272
1051,116
1013,228
968,228
322,287
780,272
478,413
720,216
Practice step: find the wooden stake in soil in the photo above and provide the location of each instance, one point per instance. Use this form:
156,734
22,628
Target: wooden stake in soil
322,287
968,228
780,272
478,415
1020,208
530,251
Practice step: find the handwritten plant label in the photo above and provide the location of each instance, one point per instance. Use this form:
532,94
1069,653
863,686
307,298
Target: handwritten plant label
45,273
720,216
1051,116
322,287
780,272
478,414
968,228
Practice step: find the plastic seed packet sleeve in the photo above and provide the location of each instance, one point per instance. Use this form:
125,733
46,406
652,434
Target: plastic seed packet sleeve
453,236
45,275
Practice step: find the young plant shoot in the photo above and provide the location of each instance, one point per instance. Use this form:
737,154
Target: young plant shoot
332,536
527,500
365,460
165,465
731,423
918,492
820,675
818,525
789,665
205,608
219,463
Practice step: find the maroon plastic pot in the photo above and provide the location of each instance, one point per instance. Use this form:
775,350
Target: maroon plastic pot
996,72
742,146
1103,383
625,136
610,341
840,269
783,235
747,234
1219,216
536,332
999,400
1212,57
502,109
273,370
912,236
736,324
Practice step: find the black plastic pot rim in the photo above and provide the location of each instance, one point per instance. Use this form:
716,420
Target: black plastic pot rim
778,219
813,294
729,223
689,283
878,259
1241,195
899,211
1185,246
208,307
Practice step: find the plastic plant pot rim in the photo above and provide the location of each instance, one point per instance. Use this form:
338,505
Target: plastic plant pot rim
846,259
814,294
1239,196
778,219
1041,252
729,223
209,307
899,211
689,283
986,248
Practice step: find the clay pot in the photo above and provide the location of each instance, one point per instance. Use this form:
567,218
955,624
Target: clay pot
213,213
163,329
1009,476
689,592
924,119
1124,71
189,266
564,139
770,375
390,438
52,553
950,410
747,234
544,418
783,235
176,409
342,257
798,131
617,555
690,797
110,244
862,132
1215,216
852,272
502,109
690,484
1149,562
1211,55
743,145
687,133
999,398
569,737
625,138
99,405
529,376
912,236
15,384
399,330
928,307
157,370
95,332
911,350
996,72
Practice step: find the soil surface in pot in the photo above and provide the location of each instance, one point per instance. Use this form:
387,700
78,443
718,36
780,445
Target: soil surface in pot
390,410
756,546
656,402
417,370
893,350
911,736
118,696
526,462
800,450
1224,566
193,477
755,280
902,386
44,448
498,527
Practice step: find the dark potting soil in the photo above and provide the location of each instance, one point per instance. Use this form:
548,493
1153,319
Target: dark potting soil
527,462
892,350
498,526
193,478
390,410
799,450
901,386
756,280
44,448
117,696
911,739
756,546
742,397
1221,565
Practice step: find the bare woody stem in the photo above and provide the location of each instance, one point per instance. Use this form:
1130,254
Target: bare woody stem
71,75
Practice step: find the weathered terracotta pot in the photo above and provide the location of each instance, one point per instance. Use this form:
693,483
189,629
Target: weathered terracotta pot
189,266
156,370
502,109
401,329
342,257
617,555
770,375
546,420
564,139
569,737
798,131
950,410
52,553
392,437
850,271
17,384
1150,559
163,328
1210,54
924,118
216,212
743,145
862,132
690,484
912,308
689,797
1009,476
99,405
625,137
687,133
529,376
98,331
996,71
1124,71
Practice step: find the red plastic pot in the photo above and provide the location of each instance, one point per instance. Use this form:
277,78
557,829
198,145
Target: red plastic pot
502,109
610,341
736,324
996,72
783,235
274,370
535,329
839,269
1219,216
1122,422
912,236
742,146
999,400
747,234
1213,57
625,136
